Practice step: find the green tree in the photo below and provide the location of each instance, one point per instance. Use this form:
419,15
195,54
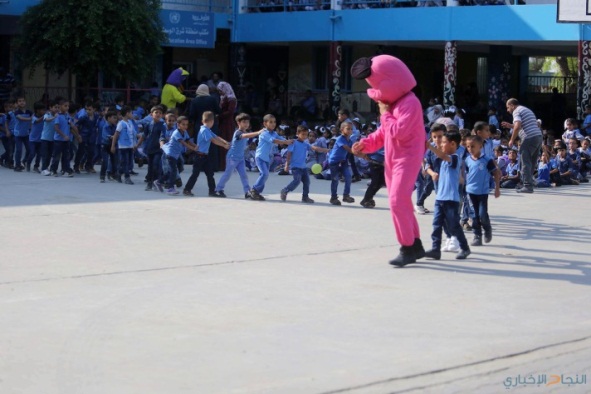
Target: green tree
119,37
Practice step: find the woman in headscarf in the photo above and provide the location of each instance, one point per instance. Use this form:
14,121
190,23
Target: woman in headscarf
172,93
201,103
226,126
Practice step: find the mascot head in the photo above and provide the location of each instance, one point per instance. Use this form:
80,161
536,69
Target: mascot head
388,77
177,77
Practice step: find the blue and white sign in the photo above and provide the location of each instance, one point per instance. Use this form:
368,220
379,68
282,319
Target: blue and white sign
188,29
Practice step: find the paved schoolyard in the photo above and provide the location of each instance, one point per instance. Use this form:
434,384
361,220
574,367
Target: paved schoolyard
106,288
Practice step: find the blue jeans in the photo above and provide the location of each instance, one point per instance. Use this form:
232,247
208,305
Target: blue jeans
299,175
18,149
106,156
240,166
61,150
125,161
170,163
448,213
336,170
263,166
481,219
34,153
467,209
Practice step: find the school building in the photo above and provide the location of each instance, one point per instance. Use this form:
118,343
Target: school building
468,55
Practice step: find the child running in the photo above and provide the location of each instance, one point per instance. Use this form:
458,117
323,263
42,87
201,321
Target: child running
172,153
203,162
339,165
296,156
263,154
235,156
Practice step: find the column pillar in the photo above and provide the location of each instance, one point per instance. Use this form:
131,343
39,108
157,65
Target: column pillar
336,61
584,77
450,74
499,76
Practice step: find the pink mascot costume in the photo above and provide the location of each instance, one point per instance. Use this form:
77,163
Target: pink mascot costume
402,135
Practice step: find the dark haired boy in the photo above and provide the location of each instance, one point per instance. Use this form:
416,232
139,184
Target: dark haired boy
64,130
21,132
447,201
35,137
107,133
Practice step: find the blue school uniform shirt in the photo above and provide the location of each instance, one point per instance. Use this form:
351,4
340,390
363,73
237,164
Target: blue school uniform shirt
478,174
299,151
487,148
167,134
36,129
320,156
512,168
11,121
564,165
22,127
48,127
3,125
153,134
544,172
575,157
449,180
204,138
107,133
266,139
88,127
63,121
127,134
238,147
173,147
338,153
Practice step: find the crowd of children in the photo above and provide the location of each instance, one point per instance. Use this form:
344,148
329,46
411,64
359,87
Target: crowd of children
462,166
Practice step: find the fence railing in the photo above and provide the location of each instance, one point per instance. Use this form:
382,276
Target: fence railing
77,94
545,84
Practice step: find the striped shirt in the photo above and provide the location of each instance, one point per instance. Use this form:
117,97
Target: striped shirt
529,123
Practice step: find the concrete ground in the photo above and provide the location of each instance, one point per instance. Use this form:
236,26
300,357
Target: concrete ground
107,288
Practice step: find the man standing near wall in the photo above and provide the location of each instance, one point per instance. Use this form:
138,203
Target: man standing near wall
525,126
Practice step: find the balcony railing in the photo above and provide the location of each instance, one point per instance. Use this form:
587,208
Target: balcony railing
317,5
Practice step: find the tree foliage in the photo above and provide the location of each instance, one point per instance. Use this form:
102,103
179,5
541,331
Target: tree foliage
119,37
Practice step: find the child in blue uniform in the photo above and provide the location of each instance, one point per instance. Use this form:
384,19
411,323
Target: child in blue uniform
47,137
35,137
21,133
296,159
447,202
339,165
203,162
172,151
88,126
544,167
267,139
376,173
154,127
235,156
107,133
479,168
64,131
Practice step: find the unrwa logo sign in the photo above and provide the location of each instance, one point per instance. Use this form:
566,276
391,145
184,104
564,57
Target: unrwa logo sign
174,17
